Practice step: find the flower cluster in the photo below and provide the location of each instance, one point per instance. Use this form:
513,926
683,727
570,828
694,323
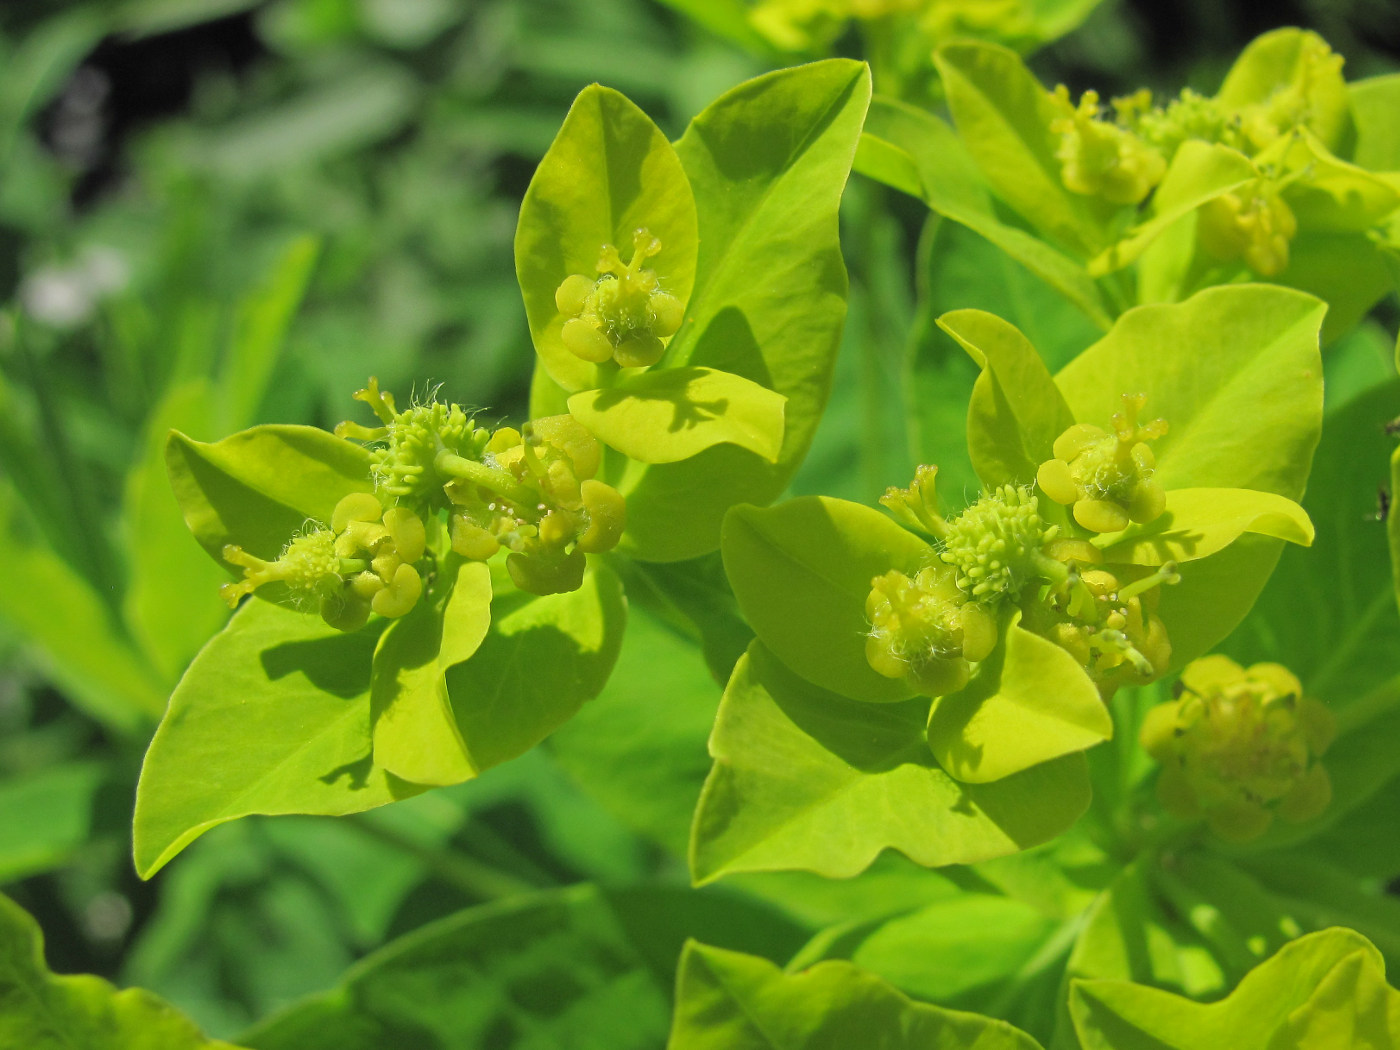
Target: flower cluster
1240,746
924,629
1106,476
621,313
1253,223
364,562
1101,158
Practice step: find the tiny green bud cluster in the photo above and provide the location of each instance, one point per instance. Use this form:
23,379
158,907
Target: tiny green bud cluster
621,313
405,467
925,630
1100,158
996,545
1106,476
363,562
533,492
1239,747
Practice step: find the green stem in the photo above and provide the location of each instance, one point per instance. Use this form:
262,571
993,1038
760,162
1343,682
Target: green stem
501,482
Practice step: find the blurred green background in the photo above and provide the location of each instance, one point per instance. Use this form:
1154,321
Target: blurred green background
221,212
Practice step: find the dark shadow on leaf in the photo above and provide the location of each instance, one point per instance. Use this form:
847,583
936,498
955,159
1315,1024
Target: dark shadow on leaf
728,343
338,665
356,773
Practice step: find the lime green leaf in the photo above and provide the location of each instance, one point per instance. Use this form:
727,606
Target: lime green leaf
1199,522
172,603
1375,108
805,779
728,19
1003,116
1016,412
885,162
1327,609
802,572
1279,60
1392,525
1199,172
952,948
1333,196
953,186
1353,1006
729,1001
767,162
1348,271
415,735
271,717
1235,371
41,1011
258,487
672,414
610,172
1030,702
1116,1015
541,660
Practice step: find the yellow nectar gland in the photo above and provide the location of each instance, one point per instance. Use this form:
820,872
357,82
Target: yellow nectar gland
1239,747
621,314
1099,158
1106,476
1253,223
925,630
363,563
1110,627
534,493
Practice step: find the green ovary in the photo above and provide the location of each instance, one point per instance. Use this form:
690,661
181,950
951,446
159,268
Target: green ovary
1106,476
621,314
1240,747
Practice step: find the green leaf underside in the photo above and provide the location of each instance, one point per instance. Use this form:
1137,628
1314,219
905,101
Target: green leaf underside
767,163
1029,703
1199,172
1304,987
1235,371
952,185
671,414
801,571
415,736
610,171
1375,106
257,488
42,1011
730,1001
273,716
1199,522
808,780
1016,411
541,660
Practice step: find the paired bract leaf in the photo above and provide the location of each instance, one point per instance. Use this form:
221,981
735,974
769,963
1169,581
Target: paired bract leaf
273,716
1199,522
258,487
807,779
1029,703
541,660
729,1001
671,414
1323,990
609,172
415,734
41,1011
1375,107
802,572
767,163
1016,412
